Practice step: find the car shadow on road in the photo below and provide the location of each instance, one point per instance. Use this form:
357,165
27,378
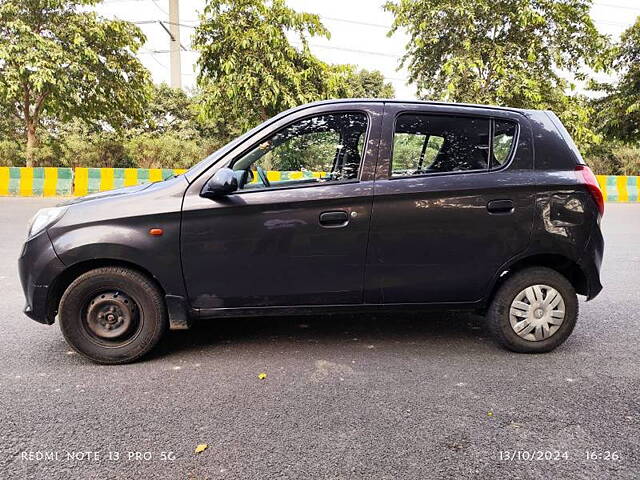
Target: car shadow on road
441,329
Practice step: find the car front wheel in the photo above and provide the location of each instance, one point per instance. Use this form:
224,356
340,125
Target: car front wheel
112,315
533,311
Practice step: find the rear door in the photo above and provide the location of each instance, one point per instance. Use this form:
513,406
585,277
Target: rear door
452,202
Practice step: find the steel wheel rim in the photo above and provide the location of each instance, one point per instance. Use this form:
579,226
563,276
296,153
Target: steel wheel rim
116,331
537,312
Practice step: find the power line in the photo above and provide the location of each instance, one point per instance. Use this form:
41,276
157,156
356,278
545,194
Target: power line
329,47
107,2
162,24
336,19
353,50
156,60
388,27
155,3
164,52
355,22
613,5
147,22
615,24
374,25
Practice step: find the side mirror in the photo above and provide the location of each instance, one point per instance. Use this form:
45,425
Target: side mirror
222,183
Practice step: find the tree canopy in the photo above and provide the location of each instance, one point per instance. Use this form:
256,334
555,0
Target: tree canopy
255,62
508,52
619,111
71,84
59,61
247,62
367,84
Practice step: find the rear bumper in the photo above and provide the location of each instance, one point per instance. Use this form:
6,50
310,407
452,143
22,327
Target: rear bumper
38,266
591,262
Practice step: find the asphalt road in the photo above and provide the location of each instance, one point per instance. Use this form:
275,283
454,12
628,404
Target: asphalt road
393,396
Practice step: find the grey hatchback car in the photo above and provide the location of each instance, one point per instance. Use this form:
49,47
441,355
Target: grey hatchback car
334,206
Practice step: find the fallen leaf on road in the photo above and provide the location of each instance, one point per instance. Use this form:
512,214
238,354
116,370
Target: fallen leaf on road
201,447
262,376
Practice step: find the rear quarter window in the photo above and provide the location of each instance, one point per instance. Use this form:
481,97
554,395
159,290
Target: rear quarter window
503,142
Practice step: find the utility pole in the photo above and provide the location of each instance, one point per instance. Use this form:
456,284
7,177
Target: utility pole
174,44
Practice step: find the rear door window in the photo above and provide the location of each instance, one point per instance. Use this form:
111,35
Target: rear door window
426,144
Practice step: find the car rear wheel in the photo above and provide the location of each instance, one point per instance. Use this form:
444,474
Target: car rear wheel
533,311
112,315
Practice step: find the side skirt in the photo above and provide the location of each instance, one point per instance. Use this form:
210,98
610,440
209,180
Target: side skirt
212,313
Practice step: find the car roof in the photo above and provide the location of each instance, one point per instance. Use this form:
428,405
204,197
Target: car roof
418,102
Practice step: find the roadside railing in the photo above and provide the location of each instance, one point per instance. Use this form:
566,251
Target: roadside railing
53,181
619,188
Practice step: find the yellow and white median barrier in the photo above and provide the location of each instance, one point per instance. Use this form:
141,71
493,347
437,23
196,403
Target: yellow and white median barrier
91,180
276,176
37,181
619,188
53,181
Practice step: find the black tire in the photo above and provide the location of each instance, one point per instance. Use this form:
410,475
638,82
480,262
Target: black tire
498,314
143,322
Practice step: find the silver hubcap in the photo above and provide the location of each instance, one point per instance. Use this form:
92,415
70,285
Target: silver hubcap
537,312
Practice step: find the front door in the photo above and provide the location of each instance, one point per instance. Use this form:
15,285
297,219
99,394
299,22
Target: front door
453,202
295,233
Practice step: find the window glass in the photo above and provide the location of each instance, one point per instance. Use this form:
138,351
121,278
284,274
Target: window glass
318,149
503,136
430,143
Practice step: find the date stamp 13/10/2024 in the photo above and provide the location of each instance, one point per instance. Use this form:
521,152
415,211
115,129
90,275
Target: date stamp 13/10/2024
559,455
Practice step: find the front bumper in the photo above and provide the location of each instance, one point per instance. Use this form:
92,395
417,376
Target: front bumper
38,266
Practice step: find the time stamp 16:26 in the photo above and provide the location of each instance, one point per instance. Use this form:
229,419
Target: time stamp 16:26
551,455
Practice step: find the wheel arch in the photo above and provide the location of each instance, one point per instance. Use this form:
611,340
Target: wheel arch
565,266
68,275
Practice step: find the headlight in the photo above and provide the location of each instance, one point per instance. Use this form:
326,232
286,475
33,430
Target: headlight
44,218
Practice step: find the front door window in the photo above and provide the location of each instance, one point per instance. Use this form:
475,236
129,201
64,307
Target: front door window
320,149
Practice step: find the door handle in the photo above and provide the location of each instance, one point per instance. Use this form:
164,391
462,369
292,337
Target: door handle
338,218
500,206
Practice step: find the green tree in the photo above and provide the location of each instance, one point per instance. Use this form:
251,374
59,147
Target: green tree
619,111
507,52
59,61
169,110
8,122
250,70
171,133
367,84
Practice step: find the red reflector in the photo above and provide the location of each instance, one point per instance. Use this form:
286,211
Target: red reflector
156,231
586,176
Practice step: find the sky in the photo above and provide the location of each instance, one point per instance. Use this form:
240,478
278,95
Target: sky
358,33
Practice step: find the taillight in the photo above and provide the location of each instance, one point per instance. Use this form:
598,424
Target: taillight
586,176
